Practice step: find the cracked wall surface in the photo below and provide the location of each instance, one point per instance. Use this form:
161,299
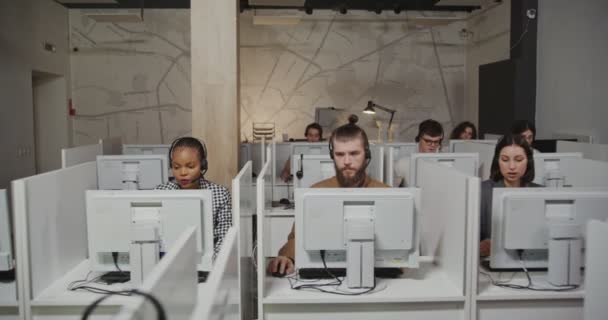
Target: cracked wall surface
133,79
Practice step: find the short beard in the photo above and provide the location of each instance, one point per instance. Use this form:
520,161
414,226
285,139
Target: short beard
356,181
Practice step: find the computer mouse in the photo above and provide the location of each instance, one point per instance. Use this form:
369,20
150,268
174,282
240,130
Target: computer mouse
284,201
278,274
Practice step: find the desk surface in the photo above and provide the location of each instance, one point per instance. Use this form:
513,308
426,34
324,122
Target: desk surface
57,293
427,283
8,294
489,292
279,212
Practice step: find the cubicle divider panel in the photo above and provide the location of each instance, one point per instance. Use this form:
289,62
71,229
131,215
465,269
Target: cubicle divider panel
222,299
50,226
585,173
261,231
444,218
596,271
243,209
472,242
77,155
111,145
591,151
173,281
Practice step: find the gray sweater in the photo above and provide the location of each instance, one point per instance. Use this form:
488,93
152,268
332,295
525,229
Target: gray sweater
485,227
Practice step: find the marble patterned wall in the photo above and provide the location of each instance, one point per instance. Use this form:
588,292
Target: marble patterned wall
343,61
133,79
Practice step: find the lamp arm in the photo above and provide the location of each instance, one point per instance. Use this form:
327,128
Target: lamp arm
385,109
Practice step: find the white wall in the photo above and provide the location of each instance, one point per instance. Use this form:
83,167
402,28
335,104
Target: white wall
572,68
24,26
488,42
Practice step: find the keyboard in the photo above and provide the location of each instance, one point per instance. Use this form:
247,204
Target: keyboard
124,276
322,273
7,275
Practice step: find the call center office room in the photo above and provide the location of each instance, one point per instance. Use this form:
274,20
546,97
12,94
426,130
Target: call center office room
328,172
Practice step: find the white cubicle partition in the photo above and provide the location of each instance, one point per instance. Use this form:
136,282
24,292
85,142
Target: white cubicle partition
220,297
590,150
111,146
262,202
486,154
9,305
77,155
596,271
50,233
243,210
173,282
445,223
393,152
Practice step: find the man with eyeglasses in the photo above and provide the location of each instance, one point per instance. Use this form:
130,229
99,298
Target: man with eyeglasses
429,138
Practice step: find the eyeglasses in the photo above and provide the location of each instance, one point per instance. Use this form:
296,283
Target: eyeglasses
432,142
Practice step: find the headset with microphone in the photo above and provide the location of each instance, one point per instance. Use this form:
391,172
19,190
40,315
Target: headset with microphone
368,152
300,173
190,142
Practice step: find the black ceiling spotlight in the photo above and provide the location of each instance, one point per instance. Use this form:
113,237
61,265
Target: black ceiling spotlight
378,10
397,9
343,9
308,9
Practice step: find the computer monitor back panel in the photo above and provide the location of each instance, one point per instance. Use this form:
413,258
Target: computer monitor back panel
521,220
309,148
152,170
320,225
456,144
110,214
467,163
146,149
6,247
548,165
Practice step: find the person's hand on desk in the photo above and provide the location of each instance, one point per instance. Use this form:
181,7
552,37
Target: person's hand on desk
484,248
281,265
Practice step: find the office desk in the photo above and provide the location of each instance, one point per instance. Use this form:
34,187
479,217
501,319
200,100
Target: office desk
424,293
497,303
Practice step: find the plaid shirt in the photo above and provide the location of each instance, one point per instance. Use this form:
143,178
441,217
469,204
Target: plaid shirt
222,209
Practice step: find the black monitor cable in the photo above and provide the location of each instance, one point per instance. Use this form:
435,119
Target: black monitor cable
160,311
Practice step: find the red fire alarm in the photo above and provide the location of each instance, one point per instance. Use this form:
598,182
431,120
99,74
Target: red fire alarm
71,110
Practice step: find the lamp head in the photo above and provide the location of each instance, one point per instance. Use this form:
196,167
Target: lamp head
370,108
